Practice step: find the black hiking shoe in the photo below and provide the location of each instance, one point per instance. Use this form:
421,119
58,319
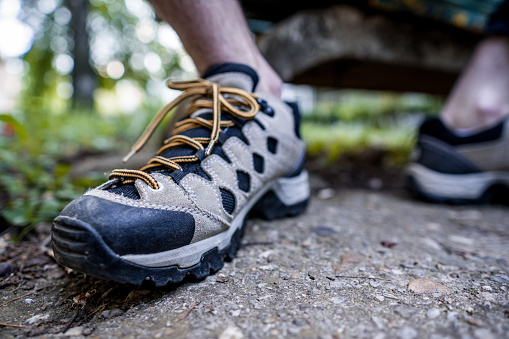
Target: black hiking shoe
460,170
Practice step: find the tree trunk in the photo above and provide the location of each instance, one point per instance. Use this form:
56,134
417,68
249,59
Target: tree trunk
83,77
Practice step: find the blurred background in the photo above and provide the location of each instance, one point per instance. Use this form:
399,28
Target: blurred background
79,80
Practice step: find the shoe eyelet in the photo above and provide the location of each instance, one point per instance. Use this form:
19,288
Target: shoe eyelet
161,187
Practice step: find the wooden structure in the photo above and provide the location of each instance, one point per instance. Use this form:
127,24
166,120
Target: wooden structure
347,46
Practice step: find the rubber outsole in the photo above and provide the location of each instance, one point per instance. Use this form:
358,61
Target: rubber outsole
77,245
496,193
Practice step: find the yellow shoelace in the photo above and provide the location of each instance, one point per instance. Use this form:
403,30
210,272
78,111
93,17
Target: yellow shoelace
199,94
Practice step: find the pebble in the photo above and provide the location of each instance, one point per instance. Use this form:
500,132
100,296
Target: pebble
112,313
324,231
501,278
325,194
433,226
298,322
269,321
462,240
406,312
28,301
407,333
487,288
433,313
6,268
424,286
37,319
222,278
231,332
380,298
75,331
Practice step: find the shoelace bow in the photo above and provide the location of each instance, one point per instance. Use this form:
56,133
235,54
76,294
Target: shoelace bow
201,94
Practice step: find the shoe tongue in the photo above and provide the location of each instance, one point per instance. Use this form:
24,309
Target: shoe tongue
233,75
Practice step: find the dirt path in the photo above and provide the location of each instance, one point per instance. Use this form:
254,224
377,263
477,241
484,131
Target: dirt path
340,270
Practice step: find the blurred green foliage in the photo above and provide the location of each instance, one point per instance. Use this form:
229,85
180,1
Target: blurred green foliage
351,122
36,157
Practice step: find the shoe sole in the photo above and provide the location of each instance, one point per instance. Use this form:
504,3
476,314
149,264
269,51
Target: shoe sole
77,245
457,189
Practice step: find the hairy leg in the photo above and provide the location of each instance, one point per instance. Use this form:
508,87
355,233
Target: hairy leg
480,97
214,32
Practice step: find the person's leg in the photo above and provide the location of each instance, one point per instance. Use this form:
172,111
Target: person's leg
215,32
480,97
463,156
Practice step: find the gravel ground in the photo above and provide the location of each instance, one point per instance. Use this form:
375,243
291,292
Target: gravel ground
358,263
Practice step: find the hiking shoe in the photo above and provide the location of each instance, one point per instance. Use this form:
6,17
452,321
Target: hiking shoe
232,154
460,169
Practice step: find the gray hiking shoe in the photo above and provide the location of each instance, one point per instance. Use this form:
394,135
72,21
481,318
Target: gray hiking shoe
232,154
453,169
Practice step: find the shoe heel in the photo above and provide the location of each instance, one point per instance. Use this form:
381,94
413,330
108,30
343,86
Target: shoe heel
288,197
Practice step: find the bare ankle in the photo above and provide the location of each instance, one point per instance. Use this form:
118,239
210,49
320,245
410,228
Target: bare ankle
270,82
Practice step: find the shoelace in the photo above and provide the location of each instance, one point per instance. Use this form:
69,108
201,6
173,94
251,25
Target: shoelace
200,94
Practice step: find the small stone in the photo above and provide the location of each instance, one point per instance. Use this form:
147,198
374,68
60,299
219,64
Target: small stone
111,313
88,331
28,285
222,278
433,226
235,313
475,322
407,333
28,301
324,231
461,240
37,319
406,311
424,286
325,193
433,313
231,332
6,268
298,322
489,297
75,331
337,300
269,321
501,278
388,244
487,288
380,298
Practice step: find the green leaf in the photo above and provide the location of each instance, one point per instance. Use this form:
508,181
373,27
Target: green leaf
20,130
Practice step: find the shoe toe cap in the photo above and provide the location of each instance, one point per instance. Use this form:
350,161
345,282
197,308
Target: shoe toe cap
125,229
